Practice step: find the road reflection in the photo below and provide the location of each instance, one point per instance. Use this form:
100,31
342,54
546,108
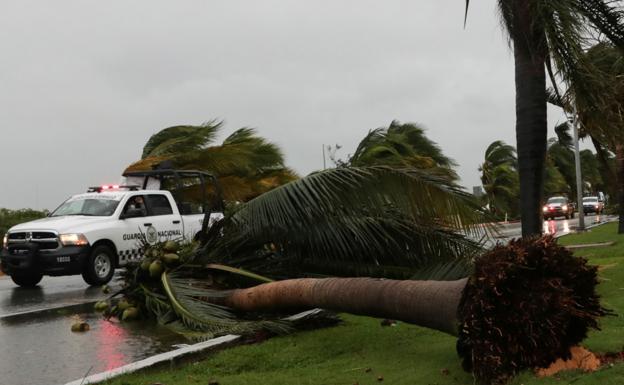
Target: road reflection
554,227
110,336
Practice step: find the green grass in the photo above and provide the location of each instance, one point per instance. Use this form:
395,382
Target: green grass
361,349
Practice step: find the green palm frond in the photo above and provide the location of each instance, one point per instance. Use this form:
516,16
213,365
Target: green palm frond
187,300
240,272
180,139
604,17
415,193
397,145
370,215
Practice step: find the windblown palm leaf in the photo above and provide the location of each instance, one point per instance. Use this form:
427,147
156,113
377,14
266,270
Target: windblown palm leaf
360,217
402,145
185,298
499,176
246,164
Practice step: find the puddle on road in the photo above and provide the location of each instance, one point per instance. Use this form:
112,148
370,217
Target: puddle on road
42,350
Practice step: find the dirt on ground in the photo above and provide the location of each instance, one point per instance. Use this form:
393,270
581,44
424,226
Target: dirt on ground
581,359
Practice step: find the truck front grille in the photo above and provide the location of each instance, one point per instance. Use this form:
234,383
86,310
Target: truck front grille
46,240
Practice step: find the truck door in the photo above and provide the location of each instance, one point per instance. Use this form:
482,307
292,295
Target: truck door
131,232
162,219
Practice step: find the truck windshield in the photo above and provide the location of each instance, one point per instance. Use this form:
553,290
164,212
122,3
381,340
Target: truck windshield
92,207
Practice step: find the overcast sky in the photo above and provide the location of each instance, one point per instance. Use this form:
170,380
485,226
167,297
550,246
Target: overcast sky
83,84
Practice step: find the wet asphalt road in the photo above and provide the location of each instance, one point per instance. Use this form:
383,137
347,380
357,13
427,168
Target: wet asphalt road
51,292
556,227
37,346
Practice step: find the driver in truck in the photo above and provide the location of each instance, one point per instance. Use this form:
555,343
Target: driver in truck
136,203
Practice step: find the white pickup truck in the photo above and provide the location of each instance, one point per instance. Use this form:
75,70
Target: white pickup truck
95,232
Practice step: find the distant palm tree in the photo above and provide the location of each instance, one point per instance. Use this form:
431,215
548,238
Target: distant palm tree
560,155
499,176
246,164
543,33
597,97
402,145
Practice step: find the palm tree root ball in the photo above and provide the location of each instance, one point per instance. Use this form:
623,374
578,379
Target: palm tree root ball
525,305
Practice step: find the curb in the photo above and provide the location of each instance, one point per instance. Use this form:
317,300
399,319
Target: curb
153,360
172,355
87,305
586,245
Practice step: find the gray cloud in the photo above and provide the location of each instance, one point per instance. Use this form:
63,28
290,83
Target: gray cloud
83,84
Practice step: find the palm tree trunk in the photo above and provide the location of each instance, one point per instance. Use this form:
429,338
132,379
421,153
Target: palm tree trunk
619,156
431,304
531,123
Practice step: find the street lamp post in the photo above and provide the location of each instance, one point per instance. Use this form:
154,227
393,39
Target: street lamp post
579,182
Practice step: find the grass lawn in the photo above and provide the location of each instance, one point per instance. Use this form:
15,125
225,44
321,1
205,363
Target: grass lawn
362,351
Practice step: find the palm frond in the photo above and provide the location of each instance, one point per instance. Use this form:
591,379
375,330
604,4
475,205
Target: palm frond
373,216
187,300
178,139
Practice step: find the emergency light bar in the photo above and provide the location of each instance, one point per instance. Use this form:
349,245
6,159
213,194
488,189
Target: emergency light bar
111,187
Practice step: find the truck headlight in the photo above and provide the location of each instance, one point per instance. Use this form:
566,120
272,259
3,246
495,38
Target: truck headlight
564,208
73,239
5,241
545,208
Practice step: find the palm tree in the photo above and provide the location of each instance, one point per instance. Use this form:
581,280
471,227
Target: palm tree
376,221
560,155
543,33
499,176
597,97
246,164
402,145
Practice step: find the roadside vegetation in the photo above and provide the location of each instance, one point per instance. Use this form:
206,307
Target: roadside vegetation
361,350
500,178
9,218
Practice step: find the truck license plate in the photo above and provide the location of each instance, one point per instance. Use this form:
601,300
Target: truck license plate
63,259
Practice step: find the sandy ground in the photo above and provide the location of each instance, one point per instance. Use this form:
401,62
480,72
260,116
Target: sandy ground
581,359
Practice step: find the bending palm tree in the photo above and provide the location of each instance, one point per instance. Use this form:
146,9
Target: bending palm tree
499,176
402,145
246,164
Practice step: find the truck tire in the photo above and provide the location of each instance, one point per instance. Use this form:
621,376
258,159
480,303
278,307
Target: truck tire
99,267
27,279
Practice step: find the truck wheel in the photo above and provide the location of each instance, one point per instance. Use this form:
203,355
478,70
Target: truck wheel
99,268
27,280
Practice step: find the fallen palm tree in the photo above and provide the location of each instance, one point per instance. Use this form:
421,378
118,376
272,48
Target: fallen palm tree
525,305
517,306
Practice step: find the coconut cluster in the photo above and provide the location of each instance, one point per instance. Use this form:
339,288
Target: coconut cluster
156,259
526,305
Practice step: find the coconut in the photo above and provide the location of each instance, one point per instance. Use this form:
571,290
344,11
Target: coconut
156,268
130,314
171,258
80,327
101,306
145,264
123,304
170,246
